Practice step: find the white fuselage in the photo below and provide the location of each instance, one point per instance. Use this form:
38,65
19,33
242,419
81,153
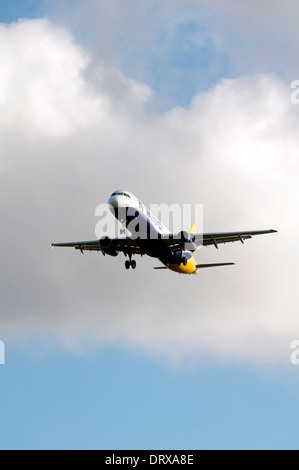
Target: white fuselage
124,203
126,207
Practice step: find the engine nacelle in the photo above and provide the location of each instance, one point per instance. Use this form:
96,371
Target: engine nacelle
183,237
108,247
187,241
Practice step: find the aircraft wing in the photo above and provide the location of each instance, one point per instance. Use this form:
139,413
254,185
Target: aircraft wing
206,239
125,245
215,239
128,245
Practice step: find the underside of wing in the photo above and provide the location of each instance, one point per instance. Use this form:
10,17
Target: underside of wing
206,239
125,245
92,245
128,245
215,239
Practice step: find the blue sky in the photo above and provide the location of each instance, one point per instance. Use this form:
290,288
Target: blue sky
113,398
11,11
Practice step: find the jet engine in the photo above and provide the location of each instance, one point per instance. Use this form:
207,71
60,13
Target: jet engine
108,247
187,241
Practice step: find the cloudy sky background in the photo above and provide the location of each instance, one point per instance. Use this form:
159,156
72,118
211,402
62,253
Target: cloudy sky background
180,101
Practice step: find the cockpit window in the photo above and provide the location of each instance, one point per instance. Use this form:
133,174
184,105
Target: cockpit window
119,193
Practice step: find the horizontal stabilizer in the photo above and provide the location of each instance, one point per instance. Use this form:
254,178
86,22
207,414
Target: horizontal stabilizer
199,266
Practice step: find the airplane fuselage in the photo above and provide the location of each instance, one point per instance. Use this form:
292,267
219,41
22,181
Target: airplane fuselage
132,213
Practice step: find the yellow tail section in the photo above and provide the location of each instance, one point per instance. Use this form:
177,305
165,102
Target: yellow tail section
193,229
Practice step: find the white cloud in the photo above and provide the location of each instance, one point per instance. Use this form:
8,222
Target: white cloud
41,71
235,149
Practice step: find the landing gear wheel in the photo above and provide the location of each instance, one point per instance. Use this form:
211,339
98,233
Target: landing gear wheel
128,264
134,264
185,261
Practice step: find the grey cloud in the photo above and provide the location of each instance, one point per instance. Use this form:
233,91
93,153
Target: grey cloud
252,37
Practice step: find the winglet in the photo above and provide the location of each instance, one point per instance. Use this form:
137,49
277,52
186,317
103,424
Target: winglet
52,246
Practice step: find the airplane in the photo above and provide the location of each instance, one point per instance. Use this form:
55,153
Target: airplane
174,251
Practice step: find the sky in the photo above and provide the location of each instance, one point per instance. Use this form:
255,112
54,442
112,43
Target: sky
178,102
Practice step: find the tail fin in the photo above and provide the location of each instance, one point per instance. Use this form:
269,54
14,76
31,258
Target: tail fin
193,229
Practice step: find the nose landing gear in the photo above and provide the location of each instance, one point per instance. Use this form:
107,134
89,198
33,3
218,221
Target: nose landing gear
130,264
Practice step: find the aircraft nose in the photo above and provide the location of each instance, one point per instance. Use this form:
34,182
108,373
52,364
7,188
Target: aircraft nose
113,202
